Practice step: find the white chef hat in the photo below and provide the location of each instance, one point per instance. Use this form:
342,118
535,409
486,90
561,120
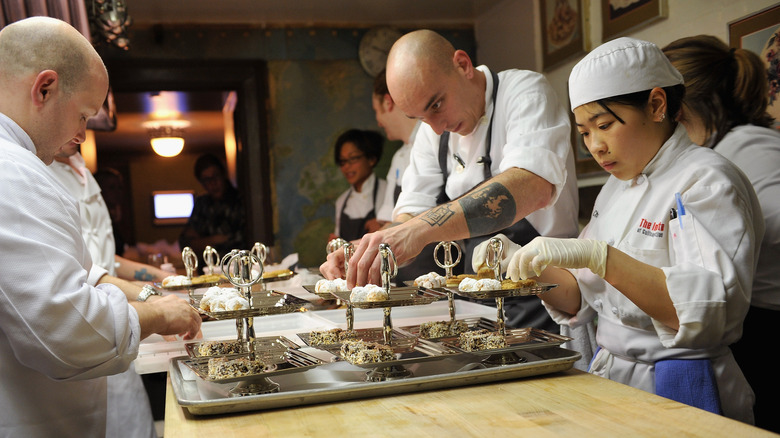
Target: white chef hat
618,67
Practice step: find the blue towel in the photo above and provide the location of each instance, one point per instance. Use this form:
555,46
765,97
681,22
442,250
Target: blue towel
690,381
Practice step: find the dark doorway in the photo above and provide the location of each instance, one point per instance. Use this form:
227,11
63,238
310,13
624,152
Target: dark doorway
249,80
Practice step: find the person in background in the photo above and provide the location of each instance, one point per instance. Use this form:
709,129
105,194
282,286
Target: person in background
96,225
218,217
356,153
129,410
397,127
112,185
64,323
494,152
725,108
666,262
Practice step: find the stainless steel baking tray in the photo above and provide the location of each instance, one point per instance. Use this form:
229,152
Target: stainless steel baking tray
516,339
263,303
269,344
538,288
340,381
290,361
399,296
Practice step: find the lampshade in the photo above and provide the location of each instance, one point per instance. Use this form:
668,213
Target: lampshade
167,146
166,136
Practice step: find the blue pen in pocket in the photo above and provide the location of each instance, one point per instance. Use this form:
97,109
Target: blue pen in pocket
680,208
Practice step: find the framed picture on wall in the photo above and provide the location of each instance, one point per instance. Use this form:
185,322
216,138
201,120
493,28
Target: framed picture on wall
562,30
620,16
760,33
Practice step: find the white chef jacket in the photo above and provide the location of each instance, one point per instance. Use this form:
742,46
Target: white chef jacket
360,203
755,150
129,410
95,220
58,335
531,130
708,262
395,176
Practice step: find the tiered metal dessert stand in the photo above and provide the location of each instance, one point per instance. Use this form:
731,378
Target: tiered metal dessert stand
237,267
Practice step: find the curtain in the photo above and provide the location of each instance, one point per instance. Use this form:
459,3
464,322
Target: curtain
71,11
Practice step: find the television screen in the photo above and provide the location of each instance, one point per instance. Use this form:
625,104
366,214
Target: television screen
172,207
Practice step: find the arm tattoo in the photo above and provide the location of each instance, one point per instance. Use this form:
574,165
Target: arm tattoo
488,209
437,216
142,275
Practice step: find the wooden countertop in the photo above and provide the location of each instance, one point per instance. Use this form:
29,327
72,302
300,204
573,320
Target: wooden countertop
572,404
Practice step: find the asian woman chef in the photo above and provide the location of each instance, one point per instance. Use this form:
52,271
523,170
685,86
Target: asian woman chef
667,260
356,153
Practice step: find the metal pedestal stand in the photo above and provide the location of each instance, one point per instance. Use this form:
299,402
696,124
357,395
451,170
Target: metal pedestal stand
448,264
237,267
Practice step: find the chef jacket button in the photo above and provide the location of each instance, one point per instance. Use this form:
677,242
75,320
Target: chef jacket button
611,242
614,310
597,304
641,179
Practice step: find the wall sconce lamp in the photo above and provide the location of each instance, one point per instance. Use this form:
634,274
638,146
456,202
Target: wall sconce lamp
166,136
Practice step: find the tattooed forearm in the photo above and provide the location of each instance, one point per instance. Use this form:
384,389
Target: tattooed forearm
488,209
438,215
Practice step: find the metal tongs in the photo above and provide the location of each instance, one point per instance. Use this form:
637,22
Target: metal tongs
448,264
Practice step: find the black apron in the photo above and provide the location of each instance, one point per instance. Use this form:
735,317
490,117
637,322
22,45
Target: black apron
353,229
520,312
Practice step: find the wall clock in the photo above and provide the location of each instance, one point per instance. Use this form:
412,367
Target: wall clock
374,47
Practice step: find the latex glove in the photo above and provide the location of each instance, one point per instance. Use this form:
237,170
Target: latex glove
533,258
479,256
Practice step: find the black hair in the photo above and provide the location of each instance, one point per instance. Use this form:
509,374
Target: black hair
674,98
368,142
208,160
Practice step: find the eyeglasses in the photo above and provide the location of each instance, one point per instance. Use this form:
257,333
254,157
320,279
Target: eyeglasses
350,160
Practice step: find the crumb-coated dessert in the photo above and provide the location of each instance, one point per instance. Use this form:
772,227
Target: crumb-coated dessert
218,348
430,280
327,286
356,351
220,299
476,285
442,329
332,336
227,368
481,339
369,292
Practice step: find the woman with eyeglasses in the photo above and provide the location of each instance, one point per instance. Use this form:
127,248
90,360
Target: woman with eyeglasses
356,153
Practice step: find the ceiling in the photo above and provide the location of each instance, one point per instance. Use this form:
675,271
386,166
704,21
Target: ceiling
205,110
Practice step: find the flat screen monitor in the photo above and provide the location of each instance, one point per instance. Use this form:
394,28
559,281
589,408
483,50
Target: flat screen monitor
172,207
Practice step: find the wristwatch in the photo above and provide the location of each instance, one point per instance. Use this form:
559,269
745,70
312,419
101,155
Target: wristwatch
146,292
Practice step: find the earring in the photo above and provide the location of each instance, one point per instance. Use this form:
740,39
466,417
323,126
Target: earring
663,117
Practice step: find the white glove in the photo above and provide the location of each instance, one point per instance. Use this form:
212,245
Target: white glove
533,258
479,256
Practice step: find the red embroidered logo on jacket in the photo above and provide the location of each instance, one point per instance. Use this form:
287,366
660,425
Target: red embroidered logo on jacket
652,229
